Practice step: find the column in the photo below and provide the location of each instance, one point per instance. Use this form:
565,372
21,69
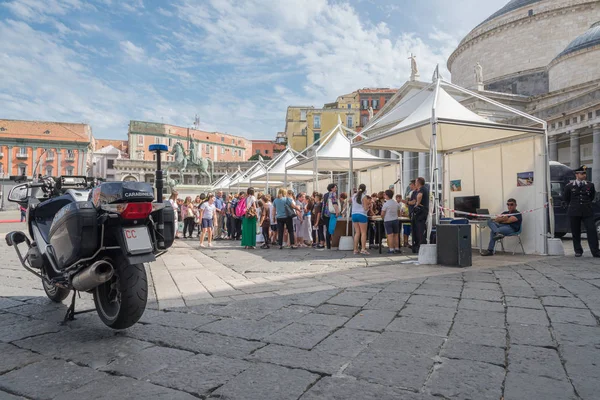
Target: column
596,155
422,166
59,165
553,148
10,160
34,170
84,164
406,176
381,154
575,150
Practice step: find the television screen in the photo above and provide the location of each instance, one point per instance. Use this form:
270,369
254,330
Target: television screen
468,204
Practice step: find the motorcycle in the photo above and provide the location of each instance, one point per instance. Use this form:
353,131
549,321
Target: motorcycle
90,237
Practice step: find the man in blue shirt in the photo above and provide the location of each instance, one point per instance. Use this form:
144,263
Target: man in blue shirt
219,205
506,224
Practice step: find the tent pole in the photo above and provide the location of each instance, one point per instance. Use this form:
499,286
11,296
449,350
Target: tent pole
350,178
548,192
433,164
315,178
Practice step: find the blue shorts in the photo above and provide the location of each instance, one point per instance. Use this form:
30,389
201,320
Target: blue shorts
391,227
207,223
360,218
407,229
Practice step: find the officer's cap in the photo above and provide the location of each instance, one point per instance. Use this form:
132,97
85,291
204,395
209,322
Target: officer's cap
581,170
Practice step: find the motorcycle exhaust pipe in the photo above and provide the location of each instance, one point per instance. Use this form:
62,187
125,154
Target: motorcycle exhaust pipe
96,274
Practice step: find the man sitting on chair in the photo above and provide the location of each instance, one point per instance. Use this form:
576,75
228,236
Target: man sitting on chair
504,225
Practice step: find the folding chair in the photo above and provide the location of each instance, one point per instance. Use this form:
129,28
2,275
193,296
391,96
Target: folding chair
518,235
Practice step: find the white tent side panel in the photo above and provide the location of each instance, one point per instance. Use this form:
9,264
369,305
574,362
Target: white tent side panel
491,173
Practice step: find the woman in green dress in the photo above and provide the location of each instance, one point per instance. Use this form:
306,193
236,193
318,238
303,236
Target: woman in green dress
249,222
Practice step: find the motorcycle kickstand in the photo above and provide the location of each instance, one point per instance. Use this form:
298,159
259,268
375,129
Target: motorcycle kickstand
70,315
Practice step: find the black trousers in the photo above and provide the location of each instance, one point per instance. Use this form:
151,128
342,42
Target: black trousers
327,234
283,223
374,233
265,232
419,233
188,226
230,226
318,234
590,228
238,228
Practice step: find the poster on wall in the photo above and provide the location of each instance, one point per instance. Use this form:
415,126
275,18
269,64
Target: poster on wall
455,186
525,178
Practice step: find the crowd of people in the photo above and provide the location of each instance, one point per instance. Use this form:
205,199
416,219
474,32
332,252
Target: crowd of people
304,220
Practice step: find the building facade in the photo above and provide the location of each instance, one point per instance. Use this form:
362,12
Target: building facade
320,121
376,99
214,145
30,148
296,127
266,148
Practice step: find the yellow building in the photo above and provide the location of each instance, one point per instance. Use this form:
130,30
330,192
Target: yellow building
321,121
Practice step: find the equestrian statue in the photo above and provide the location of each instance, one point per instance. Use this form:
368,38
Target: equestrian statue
191,160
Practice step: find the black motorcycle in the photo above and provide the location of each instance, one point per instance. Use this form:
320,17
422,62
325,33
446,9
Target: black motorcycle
94,238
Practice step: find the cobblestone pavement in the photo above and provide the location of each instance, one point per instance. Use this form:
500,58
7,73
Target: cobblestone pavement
269,324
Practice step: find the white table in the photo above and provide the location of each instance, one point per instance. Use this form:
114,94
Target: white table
480,225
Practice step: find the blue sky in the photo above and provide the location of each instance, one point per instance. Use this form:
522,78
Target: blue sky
236,63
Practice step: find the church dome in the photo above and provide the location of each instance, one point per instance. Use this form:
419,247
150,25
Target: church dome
511,6
588,39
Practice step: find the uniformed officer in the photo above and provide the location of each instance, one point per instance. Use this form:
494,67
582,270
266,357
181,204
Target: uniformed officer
579,195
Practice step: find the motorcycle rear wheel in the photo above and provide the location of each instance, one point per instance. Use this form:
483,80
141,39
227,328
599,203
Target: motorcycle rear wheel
121,301
55,293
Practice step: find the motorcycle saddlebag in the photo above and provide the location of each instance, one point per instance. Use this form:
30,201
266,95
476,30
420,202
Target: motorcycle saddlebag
170,226
74,232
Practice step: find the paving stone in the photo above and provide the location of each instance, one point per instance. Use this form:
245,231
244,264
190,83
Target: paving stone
583,367
522,386
437,292
331,309
570,302
532,335
571,315
243,328
264,381
14,357
47,379
9,319
199,374
480,305
401,287
420,325
577,335
97,354
428,312
388,301
332,321
175,319
201,342
25,329
535,361
528,316
343,388
371,320
484,335
587,387
121,387
482,294
479,276
300,335
367,288
313,360
421,300
346,342
524,302
147,361
477,380
482,318
7,303
287,315
354,299
406,342
313,299
8,396
551,291
482,285
518,291
467,351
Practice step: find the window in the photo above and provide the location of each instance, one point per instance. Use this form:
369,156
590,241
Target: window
22,151
50,155
581,117
568,122
364,104
317,136
560,124
154,157
530,13
70,154
49,170
574,120
553,126
222,150
207,149
590,115
170,158
22,169
349,121
156,140
170,142
597,113
302,115
266,151
232,141
69,170
317,122
110,164
349,106
140,140
257,151
375,104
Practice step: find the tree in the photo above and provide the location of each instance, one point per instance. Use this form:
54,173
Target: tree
255,157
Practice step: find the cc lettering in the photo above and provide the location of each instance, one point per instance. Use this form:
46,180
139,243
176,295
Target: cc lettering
130,234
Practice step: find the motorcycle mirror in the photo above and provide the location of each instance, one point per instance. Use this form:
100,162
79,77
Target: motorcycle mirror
18,194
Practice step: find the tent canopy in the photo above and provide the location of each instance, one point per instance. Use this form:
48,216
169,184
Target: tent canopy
334,154
277,169
457,127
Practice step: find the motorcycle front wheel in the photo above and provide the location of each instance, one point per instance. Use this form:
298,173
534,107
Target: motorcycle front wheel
121,301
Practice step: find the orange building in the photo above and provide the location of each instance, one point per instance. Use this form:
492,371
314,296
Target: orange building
372,97
214,145
266,148
49,148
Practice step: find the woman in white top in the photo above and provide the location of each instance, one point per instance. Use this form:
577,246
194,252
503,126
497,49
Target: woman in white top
173,202
207,216
360,220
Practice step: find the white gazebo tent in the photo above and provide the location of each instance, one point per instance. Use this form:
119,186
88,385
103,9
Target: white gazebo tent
276,171
215,184
252,177
484,155
237,181
226,183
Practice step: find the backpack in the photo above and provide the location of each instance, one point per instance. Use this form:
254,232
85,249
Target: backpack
240,209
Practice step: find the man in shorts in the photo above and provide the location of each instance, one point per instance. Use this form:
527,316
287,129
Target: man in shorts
390,213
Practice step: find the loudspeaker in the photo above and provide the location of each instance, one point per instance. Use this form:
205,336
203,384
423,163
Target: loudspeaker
454,245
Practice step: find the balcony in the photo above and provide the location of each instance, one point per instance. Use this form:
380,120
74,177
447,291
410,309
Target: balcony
50,158
70,158
22,156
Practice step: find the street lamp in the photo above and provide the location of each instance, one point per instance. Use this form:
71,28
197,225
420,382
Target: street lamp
38,163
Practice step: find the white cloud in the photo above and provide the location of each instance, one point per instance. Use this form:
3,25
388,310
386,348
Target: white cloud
134,52
41,10
90,27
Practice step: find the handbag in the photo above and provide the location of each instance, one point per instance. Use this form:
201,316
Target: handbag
330,206
289,212
332,223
